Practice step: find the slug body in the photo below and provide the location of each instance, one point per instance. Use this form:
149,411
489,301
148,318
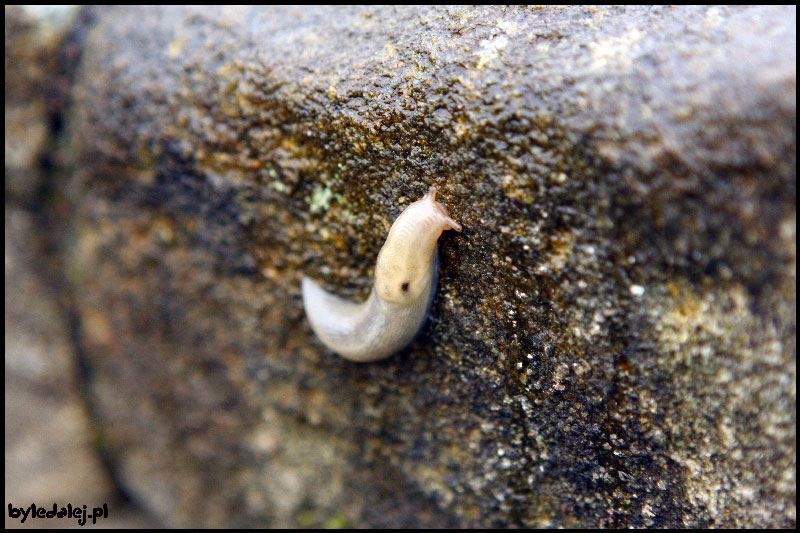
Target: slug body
405,282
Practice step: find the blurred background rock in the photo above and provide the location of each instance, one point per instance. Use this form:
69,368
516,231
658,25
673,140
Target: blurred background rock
51,453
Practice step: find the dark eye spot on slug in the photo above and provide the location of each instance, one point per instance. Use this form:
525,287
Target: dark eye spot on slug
404,286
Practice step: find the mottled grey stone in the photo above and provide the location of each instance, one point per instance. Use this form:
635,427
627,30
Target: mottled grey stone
51,453
613,340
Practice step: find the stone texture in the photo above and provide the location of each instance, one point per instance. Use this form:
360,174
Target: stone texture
51,454
613,340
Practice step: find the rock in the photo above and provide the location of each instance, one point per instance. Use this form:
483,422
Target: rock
38,58
613,339
51,453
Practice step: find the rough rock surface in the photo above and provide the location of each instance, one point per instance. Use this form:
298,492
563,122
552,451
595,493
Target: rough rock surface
613,340
50,451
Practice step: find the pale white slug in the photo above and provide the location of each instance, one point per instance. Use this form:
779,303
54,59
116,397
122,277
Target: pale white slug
405,281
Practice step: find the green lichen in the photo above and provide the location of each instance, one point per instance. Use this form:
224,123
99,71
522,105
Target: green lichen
280,186
320,199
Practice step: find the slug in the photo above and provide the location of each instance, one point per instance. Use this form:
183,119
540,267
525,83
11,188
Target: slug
405,281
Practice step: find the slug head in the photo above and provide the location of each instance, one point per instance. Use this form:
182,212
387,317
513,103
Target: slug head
403,271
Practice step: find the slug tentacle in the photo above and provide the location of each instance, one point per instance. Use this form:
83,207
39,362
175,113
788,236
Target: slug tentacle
406,274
